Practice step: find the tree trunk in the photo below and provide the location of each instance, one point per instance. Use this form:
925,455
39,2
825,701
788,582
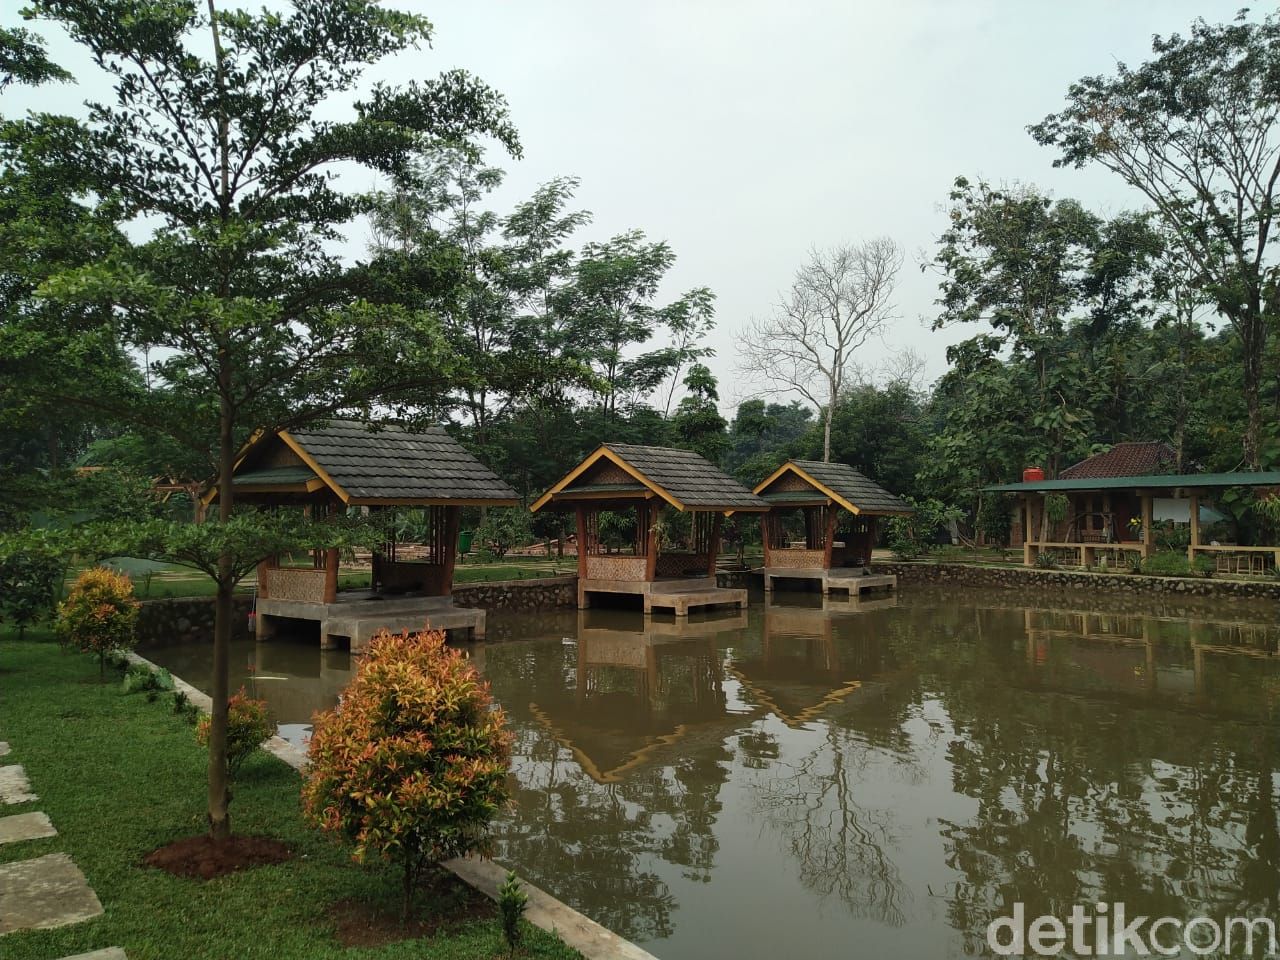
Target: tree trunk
219,814
1253,404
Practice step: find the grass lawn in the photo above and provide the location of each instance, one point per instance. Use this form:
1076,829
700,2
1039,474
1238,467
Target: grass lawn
119,776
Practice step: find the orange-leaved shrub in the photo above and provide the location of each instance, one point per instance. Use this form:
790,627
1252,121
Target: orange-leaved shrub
248,727
99,614
411,765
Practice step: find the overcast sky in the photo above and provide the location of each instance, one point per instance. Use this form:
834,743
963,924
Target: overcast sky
744,132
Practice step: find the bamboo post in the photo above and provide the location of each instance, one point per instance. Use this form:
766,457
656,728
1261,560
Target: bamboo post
331,575
1195,528
1148,538
581,512
830,536
713,544
765,520
651,548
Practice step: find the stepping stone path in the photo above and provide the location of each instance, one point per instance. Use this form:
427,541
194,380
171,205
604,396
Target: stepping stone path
25,826
48,891
14,787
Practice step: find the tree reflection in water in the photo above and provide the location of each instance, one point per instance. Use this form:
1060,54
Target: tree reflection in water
1050,756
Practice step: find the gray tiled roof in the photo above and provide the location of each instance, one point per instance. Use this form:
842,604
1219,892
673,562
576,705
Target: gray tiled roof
390,463
688,477
867,495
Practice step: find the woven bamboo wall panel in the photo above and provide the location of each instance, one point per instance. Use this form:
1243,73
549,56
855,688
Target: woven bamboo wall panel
682,564
610,473
290,583
616,568
281,456
796,558
789,483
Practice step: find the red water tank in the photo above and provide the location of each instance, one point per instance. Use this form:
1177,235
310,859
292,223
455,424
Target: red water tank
1032,475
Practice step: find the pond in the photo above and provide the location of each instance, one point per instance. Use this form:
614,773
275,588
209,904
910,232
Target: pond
881,779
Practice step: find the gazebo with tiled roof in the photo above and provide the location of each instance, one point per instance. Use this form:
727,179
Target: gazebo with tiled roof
343,464
835,512
640,483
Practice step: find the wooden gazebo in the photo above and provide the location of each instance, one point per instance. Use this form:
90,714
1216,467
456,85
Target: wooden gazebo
632,486
822,525
345,464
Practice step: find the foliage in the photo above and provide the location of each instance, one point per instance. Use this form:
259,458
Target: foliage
511,906
30,580
994,518
411,764
1195,130
916,535
139,678
698,424
99,614
1056,506
248,727
1045,560
1166,564
502,529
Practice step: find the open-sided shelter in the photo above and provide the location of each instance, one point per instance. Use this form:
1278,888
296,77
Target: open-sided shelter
822,524
343,464
623,489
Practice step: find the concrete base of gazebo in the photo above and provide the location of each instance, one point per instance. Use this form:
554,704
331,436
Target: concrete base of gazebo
851,580
361,614
677,595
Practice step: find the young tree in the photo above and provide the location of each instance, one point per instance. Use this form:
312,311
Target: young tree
411,765
1194,129
839,299
219,143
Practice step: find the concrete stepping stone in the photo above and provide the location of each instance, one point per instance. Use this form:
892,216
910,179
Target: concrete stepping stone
111,953
46,892
14,786
4,749
25,826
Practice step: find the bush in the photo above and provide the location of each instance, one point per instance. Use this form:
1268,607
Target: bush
411,765
1166,565
913,536
248,728
29,584
99,614
141,678
511,903
502,529
1046,560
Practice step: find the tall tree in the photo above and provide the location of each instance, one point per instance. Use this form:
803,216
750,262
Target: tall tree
838,300
1194,129
1017,260
614,316
698,423
219,144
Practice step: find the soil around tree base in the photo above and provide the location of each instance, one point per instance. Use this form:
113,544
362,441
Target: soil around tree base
442,902
204,858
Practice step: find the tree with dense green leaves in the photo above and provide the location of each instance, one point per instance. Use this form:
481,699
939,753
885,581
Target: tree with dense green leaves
220,140
613,315
1195,131
698,424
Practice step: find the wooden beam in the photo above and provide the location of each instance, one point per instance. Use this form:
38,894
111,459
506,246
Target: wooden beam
1195,527
581,513
1148,534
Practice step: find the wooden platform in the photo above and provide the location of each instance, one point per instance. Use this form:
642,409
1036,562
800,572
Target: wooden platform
361,614
850,580
679,596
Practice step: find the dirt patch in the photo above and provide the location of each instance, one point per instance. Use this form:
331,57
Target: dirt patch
442,903
203,858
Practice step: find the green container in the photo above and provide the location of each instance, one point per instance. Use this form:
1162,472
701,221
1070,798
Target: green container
464,541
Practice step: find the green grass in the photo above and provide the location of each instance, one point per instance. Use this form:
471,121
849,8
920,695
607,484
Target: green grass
119,776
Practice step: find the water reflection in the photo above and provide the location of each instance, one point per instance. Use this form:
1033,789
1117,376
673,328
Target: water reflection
879,778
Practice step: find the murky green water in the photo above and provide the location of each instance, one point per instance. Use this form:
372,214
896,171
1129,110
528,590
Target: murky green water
874,781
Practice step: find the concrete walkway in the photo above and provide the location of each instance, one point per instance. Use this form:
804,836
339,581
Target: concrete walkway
43,892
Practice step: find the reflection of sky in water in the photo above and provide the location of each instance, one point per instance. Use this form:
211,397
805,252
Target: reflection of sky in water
879,780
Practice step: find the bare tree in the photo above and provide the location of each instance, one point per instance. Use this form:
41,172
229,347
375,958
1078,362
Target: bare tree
838,300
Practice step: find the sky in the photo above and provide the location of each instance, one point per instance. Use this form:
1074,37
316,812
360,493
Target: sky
744,133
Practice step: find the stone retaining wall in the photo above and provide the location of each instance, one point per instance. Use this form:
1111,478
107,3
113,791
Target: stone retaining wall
524,596
187,620
973,575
